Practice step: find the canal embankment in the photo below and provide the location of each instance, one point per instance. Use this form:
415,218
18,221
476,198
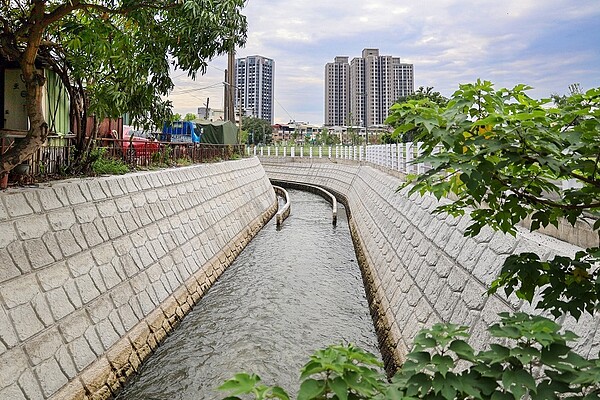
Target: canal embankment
294,289
95,273
417,266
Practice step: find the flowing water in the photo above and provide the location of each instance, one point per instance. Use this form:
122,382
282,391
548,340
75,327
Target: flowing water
290,292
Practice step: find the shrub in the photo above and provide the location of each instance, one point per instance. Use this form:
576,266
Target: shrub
104,165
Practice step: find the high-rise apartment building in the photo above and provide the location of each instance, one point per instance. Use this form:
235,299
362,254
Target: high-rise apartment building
337,92
361,92
254,83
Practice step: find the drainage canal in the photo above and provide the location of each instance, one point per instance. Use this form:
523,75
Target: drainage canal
291,291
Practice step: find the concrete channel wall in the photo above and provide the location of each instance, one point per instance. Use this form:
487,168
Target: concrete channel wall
94,273
418,267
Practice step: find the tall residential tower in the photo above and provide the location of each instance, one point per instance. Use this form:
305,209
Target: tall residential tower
337,94
254,80
361,92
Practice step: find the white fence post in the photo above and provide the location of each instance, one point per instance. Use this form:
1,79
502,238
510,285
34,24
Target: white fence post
320,151
301,151
293,152
420,166
409,157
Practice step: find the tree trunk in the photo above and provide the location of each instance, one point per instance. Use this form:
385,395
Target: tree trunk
34,82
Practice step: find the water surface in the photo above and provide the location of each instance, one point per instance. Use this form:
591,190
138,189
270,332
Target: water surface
289,293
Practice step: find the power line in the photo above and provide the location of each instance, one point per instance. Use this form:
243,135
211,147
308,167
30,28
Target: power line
286,111
184,91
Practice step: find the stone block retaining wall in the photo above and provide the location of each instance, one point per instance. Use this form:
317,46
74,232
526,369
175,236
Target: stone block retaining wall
418,267
94,273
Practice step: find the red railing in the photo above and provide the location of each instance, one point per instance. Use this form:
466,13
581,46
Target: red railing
137,153
56,156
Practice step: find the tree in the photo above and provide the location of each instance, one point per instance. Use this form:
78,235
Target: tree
113,57
503,155
189,117
425,96
425,93
259,130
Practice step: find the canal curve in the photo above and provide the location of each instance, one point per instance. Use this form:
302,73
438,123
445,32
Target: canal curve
290,292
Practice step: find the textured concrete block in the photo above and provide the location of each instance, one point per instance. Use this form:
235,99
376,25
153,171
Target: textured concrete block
91,234
82,353
12,392
488,266
59,303
128,317
113,229
50,376
68,244
474,295
62,219
100,309
29,386
32,227
38,253
16,205
19,257
94,341
7,333
103,254
8,269
107,333
48,199
14,363
20,291
74,390
86,288
8,234
86,213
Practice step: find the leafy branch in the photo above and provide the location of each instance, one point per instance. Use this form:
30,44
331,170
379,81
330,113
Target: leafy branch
504,156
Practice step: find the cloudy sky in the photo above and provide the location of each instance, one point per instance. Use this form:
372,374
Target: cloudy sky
547,44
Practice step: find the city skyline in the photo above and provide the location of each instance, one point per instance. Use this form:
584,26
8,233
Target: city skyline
548,45
361,91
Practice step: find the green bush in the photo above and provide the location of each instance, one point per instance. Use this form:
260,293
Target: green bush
531,359
104,165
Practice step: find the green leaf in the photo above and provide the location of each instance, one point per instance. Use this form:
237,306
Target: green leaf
240,384
279,393
462,349
311,389
442,363
339,387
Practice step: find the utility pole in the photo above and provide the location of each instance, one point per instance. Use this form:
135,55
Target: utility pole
230,86
206,112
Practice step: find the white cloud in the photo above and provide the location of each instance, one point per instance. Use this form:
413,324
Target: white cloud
547,45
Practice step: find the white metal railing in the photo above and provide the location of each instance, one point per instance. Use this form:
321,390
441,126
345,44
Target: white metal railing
398,157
